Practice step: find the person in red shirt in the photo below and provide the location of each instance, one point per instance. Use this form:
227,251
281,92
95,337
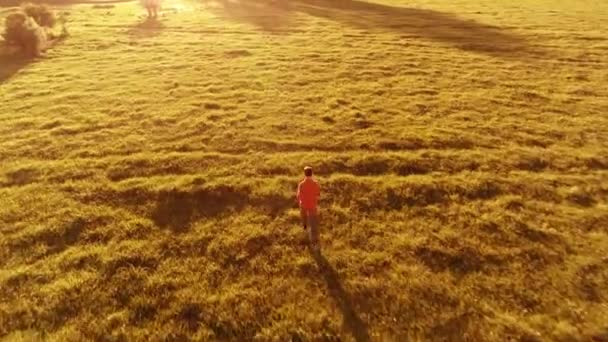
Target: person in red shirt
308,196
152,6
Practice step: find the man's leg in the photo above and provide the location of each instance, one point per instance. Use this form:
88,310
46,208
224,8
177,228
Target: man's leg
304,216
313,221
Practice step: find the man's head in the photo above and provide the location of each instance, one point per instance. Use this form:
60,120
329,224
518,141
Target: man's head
308,171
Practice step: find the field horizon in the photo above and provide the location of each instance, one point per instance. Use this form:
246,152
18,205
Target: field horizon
148,171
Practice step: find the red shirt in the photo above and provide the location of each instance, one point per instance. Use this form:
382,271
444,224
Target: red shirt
308,193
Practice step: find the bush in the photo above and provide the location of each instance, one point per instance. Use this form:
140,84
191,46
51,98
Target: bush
24,31
42,14
30,28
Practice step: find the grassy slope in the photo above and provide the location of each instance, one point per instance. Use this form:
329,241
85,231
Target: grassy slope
147,176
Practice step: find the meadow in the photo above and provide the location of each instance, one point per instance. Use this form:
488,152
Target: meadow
148,172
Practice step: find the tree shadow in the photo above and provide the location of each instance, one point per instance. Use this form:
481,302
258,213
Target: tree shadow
446,28
56,240
354,323
13,59
68,236
148,28
20,177
176,210
11,63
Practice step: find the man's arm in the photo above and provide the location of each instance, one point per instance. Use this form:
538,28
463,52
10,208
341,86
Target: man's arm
298,192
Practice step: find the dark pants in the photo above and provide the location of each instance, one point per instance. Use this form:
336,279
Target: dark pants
311,219
152,12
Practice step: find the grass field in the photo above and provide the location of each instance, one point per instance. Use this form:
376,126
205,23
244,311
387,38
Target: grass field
148,172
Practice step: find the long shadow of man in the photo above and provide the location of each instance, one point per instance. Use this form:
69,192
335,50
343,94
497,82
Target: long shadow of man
148,28
342,298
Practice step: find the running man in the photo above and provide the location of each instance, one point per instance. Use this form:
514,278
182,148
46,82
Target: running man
308,196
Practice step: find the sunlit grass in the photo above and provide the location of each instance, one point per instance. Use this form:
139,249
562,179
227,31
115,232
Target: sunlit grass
148,171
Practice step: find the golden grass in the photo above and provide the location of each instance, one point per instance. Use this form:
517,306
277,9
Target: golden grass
148,173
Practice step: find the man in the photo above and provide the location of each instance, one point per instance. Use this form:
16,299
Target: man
308,196
152,6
